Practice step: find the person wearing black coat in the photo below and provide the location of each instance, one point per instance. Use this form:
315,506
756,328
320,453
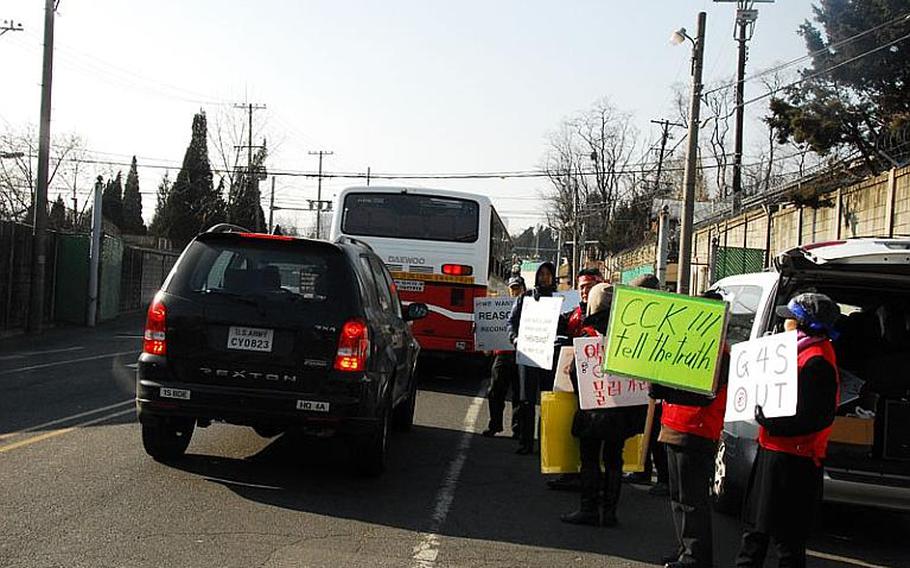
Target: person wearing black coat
531,379
602,433
785,488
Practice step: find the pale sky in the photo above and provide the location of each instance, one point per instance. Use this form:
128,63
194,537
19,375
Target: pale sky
403,86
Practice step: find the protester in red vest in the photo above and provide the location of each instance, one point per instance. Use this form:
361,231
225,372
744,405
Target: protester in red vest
690,428
785,488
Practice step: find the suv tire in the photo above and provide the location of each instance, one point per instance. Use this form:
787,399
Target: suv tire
167,440
372,451
403,415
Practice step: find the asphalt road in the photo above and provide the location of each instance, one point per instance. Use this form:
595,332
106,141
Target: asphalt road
76,488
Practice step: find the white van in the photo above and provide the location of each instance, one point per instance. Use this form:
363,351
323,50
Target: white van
868,459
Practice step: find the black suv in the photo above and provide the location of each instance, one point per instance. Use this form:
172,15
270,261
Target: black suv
278,333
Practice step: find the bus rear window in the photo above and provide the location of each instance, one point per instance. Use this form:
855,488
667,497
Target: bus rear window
410,216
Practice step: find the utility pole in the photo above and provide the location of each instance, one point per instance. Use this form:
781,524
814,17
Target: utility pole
663,244
368,176
272,205
94,256
249,107
746,16
39,201
685,229
665,135
319,153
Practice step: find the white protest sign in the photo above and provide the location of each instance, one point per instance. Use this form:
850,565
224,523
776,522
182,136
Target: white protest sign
763,372
571,299
563,382
537,331
491,324
597,389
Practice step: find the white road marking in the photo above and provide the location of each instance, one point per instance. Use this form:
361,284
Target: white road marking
425,553
55,433
68,362
24,354
132,366
65,419
241,483
842,559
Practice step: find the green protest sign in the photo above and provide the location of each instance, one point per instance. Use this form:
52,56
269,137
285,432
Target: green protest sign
665,338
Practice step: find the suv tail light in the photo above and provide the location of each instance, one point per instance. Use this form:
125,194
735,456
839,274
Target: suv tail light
154,341
353,346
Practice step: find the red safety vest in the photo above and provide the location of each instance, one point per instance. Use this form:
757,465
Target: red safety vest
704,421
812,445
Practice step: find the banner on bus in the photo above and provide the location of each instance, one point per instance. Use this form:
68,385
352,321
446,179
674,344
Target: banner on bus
445,278
491,324
665,338
537,331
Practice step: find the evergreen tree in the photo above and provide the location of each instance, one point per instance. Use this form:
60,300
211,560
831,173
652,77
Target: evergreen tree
57,218
132,203
193,204
856,94
112,201
245,208
160,223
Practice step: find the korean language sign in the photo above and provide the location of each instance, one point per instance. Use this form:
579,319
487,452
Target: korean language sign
597,389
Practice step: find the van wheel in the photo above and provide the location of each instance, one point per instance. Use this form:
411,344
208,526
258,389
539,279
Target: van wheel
724,496
167,440
373,451
403,415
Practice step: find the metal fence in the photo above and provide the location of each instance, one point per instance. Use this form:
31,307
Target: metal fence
729,261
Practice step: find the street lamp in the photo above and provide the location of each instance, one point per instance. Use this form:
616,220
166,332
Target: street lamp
686,222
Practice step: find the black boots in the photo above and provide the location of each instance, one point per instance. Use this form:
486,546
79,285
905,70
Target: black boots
596,510
526,437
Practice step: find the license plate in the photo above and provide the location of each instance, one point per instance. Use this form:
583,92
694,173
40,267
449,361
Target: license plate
415,286
313,405
250,339
182,394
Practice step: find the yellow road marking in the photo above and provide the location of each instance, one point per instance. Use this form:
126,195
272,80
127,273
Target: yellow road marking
55,433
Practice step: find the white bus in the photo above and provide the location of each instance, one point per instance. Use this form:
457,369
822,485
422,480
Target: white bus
444,248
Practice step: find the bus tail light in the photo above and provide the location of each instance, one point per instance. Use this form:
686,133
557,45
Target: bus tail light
457,269
154,341
353,346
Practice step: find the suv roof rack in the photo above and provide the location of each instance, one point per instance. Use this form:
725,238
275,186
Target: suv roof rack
344,239
226,228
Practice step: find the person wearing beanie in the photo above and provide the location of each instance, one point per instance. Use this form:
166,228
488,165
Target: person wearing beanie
602,433
504,377
531,379
785,487
689,430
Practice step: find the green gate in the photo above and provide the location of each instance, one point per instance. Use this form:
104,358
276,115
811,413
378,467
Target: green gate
71,288
729,261
109,283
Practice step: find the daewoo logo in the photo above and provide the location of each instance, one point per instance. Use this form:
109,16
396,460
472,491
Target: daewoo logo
243,374
407,260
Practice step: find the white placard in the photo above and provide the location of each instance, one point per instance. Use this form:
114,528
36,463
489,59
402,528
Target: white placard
491,324
537,331
763,372
597,389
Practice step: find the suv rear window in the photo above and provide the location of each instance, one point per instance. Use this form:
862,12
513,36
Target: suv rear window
245,267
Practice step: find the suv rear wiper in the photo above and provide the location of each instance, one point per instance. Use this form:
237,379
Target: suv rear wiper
246,299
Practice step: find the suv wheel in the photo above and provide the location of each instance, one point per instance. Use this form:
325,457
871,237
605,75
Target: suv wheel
373,450
403,415
167,440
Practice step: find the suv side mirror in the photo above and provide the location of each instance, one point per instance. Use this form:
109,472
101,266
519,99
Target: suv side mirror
416,311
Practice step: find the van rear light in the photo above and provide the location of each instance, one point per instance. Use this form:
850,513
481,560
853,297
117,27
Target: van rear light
353,346
457,269
823,244
154,341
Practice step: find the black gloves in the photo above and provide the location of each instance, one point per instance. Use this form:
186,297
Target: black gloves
536,294
760,416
